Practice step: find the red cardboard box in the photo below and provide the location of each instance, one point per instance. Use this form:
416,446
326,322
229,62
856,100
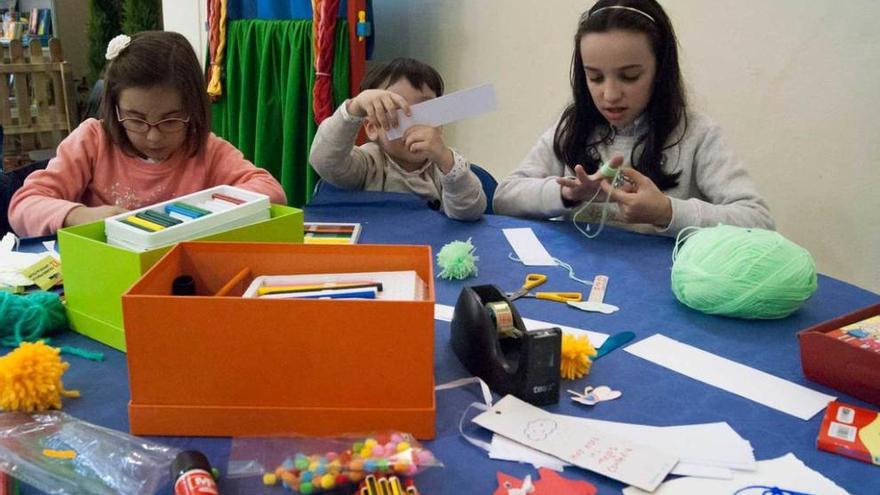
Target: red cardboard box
839,364
850,431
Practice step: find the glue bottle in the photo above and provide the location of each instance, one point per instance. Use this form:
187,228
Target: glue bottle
191,473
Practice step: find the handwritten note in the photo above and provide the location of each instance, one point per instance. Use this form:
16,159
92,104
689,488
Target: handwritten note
565,438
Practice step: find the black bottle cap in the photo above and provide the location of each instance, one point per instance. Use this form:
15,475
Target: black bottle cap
183,285
187,461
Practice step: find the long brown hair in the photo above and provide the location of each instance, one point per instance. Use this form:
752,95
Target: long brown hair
157,58
665,111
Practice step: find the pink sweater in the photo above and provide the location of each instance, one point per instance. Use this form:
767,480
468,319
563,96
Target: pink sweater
89,170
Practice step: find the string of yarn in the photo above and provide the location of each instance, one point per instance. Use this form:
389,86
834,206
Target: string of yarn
35,316
741,272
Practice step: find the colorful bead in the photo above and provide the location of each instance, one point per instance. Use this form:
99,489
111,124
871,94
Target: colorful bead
269,479
328,481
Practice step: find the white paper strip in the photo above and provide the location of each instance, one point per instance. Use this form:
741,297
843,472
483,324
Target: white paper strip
528,248
756,385
447,109
787,474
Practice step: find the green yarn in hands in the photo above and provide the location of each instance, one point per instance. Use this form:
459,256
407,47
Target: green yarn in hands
741,272
457,260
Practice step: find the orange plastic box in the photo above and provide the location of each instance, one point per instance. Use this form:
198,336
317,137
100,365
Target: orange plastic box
833,362
207,365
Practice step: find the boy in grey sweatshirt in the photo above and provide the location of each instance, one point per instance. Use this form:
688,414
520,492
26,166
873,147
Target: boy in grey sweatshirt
419,162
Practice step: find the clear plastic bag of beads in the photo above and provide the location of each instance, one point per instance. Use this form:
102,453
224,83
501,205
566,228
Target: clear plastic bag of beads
317,464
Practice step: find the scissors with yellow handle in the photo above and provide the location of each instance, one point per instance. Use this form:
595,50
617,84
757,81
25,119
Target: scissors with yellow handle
535,279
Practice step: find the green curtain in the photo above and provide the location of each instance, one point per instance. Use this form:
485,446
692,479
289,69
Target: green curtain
266,106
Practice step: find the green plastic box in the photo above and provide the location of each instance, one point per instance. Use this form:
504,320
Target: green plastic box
96,274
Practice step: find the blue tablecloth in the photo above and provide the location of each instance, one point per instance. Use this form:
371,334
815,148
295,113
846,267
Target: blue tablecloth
638,267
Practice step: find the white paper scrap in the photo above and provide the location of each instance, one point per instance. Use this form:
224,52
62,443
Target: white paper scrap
742,380
446,109
528,248
590,449
444,312
786,473
505,449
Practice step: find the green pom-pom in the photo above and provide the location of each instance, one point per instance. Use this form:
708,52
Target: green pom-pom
457,260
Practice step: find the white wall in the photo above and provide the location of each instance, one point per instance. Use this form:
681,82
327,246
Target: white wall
795,84
188,18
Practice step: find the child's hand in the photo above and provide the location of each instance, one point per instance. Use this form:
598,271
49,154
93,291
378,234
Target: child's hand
582,187
378,105
427,142
85,214
642,201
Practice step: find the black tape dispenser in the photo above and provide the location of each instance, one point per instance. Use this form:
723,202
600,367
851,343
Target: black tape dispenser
490,339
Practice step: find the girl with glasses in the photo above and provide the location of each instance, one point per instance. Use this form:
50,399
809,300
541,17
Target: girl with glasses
152,143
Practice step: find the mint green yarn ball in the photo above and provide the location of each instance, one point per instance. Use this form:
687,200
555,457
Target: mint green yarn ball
741,272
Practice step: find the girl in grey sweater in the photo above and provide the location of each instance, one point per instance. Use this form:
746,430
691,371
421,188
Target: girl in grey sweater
629,108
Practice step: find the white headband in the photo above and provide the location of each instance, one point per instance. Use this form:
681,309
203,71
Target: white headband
631,9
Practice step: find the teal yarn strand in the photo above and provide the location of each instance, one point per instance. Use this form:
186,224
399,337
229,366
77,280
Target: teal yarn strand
35,316
741,272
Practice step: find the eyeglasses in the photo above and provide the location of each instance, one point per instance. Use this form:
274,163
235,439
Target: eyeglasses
142,126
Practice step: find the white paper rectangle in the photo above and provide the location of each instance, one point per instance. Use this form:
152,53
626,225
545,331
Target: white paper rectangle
701,471
756,385
528,248
444,312
505,449
787,473
447,109
590,449
710,444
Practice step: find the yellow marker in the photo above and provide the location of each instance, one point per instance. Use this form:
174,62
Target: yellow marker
384,489
144,223
59,454
326,240
394,486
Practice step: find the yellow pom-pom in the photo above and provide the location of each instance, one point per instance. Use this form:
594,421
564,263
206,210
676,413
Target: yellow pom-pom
577,354
30,378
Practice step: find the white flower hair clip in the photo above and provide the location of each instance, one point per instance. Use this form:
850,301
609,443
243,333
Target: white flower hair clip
116,45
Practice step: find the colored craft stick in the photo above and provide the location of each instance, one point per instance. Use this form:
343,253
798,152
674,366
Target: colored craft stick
141,227
178,216
330,229
146,223
361,294
287,289
228,199
59,454
171,209
326,240
158,221
241,275
331,235
187,206
317,282
159,214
